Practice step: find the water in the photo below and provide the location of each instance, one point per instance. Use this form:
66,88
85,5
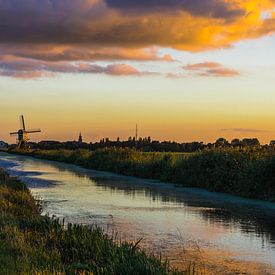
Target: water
166,216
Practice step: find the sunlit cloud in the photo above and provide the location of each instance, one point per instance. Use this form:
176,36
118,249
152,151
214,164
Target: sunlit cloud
36,69
182,24
211,69
123,30
55,53
125,70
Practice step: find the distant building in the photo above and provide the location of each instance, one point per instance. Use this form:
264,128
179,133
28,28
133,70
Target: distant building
80,138
3,145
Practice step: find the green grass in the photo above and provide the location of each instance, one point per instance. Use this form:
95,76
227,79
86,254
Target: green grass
248,172
34,244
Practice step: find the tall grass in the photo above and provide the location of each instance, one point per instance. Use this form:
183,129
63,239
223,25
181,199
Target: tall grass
35,244
245,172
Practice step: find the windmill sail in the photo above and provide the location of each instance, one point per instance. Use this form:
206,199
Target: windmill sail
22,133
22,122
33,131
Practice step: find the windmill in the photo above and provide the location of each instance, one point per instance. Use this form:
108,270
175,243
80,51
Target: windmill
22,133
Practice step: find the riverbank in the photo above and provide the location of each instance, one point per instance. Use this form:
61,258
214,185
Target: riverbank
34,244
246,173
181,226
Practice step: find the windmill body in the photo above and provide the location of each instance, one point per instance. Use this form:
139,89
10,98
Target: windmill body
22,133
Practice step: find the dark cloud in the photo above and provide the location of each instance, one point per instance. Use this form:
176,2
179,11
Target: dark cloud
58,31
209,8
184,24
41,21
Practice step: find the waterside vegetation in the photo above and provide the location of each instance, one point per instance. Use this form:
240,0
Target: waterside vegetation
247,172
34,244
146,144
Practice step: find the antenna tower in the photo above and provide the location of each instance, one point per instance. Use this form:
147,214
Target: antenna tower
136,132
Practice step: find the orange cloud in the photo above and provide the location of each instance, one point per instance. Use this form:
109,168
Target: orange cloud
211,69
80,53
204,65
25,68
123,69
187,25
109,30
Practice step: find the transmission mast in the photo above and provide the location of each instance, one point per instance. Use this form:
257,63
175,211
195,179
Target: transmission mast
136,136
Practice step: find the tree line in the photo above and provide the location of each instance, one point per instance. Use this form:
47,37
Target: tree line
148,145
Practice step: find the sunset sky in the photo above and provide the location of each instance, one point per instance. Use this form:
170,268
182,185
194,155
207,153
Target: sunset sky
184,70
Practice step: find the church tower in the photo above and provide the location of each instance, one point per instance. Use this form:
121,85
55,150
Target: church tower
80,138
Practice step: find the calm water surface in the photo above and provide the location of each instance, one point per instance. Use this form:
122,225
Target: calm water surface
164,215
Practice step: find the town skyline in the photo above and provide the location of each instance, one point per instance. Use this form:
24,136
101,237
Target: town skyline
136,136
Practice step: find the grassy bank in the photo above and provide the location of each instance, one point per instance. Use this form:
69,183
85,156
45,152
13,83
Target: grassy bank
35,244
248,173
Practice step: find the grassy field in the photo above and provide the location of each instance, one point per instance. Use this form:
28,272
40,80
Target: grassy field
35,244
246,172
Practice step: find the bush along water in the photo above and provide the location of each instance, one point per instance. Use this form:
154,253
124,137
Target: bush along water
244,172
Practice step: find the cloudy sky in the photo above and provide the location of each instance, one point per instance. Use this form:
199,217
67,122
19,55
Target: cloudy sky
182,69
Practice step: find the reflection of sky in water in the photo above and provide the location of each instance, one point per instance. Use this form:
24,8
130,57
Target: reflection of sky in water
165,216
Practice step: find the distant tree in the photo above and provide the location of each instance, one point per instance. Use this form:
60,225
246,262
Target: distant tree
53,145
209,145
236,142
221,142
251,142
146,144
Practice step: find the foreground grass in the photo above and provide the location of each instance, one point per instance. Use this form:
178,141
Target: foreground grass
247,172
35,244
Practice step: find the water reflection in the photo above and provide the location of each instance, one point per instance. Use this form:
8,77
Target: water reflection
250,216
156,211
